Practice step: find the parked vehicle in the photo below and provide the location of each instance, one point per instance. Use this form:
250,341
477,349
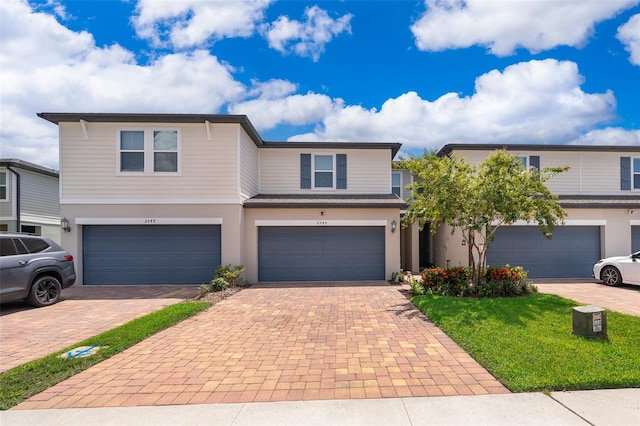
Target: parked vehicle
617,270
33,268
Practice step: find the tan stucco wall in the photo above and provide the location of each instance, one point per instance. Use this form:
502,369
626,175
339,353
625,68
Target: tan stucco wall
231,216
329,216
615,226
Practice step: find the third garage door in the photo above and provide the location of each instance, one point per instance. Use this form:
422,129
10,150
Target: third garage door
321,253
571,252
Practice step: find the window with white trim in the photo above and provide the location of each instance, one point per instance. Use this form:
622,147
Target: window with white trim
396,183
3,186
635,173
149,151
323,171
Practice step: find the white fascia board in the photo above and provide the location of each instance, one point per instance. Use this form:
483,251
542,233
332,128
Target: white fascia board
148,221
570,222
321,222
161,201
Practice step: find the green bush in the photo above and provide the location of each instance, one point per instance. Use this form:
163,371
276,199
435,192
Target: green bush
497,281
219,284
230,273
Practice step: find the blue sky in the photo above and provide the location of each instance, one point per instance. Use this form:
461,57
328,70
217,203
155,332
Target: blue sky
423,73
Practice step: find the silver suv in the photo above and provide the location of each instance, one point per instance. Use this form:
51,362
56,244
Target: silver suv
33,268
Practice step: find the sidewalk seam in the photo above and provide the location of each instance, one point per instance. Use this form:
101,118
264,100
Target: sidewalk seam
569,409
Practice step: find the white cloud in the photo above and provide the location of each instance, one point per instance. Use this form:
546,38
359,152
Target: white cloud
529,102
609,136
308,38
629,35
46,67
276,104
188,23
503,26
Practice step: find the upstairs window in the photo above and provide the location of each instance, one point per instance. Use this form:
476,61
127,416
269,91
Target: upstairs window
323,171
3,186
636,173
396,183
149,151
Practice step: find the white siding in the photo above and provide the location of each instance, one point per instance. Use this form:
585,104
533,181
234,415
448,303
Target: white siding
39,194
249,166
590,172
208,167
368,171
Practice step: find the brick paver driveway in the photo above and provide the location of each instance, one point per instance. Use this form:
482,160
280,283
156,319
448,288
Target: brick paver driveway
276,343
625,298
27,333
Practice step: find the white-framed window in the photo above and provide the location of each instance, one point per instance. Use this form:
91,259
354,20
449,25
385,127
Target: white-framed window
396,183
323,171
148,151
635,173
3,186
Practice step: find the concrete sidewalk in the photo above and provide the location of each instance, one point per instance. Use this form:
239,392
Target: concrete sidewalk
620,407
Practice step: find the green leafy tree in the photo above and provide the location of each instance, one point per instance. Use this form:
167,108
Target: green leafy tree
480,199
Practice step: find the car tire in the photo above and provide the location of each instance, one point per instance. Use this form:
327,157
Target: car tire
611,276
45,291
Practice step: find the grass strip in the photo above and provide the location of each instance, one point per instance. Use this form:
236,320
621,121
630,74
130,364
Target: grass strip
20,383
527,343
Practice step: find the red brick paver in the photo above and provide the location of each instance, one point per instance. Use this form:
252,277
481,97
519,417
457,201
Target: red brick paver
278,343
625,299
27,333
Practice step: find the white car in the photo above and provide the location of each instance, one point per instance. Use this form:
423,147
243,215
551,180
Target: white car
620,269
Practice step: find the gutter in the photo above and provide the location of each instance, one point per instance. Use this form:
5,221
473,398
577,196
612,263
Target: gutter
17,175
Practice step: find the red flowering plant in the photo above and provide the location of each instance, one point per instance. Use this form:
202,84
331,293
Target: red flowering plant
505,281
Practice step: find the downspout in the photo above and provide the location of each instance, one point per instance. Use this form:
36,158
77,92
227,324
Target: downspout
17,175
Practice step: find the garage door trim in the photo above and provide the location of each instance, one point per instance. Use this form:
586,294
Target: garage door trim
289,223
148,221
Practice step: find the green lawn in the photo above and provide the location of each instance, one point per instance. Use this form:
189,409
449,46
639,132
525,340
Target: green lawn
527,342
24,381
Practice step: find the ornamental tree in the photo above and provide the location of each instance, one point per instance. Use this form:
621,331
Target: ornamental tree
479,199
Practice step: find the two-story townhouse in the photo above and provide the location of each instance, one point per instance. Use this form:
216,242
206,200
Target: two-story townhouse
600,194
165,198
29,200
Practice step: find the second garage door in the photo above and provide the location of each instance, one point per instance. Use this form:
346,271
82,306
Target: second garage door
571,252
159,254
635,239
321,253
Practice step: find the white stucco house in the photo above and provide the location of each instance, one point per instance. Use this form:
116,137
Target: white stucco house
600,194
165,198
29,198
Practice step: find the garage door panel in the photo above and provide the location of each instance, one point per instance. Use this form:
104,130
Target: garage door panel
570,253
129,254
320,253
635,239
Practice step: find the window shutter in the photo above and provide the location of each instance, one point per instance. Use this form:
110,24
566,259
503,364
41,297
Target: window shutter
341,171
625,173
305,171
534,161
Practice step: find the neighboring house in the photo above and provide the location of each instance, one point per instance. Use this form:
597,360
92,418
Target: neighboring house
165,198
600,194
29,200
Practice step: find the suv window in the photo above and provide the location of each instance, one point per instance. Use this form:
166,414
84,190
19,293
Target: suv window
7,248
35,245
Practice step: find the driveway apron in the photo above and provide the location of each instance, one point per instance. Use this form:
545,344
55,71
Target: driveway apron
30,333
284,343
625,299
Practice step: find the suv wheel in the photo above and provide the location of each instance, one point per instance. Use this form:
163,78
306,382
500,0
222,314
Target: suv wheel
45,291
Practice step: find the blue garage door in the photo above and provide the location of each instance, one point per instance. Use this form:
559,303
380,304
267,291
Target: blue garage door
571,252
158,254
321,253
635,239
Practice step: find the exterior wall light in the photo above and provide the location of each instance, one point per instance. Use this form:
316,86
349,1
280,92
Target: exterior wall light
394,224
64,224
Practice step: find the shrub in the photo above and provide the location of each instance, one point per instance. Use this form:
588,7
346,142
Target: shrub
219,284
505,281
498,281
229,273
